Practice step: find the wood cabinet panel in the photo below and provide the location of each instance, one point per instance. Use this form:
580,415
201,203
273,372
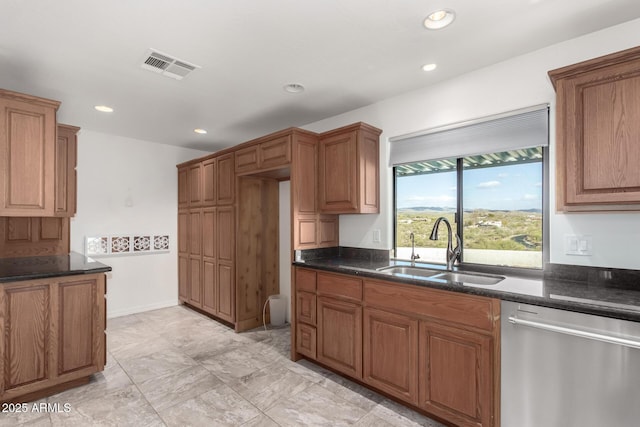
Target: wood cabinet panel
340,335
183,187
51,334
247,159
306,343
183,277
306,307
391,353
23,236
27,165
456,380
195,184
195,232
338,285
209,286
195,281
225,233
26,332
77,325
209,232
209,182
65,170
478,312
596,152
183,231
275,153
305,280
348,162
225,184
226,286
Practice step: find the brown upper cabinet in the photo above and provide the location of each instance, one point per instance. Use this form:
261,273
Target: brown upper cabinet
28,155
225,184
349,171
66,176
183,187
195,184
270,154
597,133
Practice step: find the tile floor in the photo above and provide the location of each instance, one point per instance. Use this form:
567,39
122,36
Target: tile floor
175,367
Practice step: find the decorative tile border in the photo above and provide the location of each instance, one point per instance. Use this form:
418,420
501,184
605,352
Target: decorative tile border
126,244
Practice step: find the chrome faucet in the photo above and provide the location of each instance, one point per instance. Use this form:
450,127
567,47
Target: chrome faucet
452,253
414,255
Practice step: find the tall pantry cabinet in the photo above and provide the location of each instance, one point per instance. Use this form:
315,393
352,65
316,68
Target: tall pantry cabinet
206,241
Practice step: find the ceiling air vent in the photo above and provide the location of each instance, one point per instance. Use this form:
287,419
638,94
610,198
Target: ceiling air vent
166,65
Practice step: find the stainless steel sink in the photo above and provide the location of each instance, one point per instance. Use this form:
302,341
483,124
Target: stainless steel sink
470,278
409,271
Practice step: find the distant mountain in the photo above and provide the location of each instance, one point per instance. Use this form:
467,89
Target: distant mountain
427,209
451,209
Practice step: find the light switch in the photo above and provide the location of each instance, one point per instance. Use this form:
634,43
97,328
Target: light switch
578,245
376,236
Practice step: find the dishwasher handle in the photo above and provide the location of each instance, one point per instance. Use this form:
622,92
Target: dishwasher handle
575,332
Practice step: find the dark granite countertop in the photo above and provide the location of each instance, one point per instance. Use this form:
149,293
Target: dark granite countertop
615,294
41,267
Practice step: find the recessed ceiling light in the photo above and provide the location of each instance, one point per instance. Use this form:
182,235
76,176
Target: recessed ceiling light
293,88
200,131
429,67
439,19
103,109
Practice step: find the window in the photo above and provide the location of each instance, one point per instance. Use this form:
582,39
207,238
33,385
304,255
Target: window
486,178
497,198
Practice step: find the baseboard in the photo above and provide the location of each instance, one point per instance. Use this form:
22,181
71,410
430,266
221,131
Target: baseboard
141,308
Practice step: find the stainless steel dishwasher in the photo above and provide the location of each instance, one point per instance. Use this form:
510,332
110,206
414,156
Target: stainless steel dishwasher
560,368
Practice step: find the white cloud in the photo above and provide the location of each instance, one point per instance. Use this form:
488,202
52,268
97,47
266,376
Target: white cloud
429,199
538,184
530,197
503,175
489,184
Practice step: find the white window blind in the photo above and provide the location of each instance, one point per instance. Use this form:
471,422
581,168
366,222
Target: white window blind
523,128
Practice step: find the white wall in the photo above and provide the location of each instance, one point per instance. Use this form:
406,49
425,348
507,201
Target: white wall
109,169
284,224
513,84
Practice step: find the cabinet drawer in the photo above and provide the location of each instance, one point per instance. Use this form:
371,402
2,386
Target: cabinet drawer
305,280
454,307
306,340
247,159
306,307
275,153
340,286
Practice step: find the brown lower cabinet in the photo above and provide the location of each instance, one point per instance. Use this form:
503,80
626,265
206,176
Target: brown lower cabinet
52,334
438,351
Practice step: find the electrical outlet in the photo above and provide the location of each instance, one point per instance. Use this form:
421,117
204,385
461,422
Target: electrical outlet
376,236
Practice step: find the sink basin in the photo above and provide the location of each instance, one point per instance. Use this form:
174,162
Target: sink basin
470,278
409,271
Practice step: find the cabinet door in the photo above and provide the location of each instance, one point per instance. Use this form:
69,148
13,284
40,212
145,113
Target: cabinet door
225,184
275,153
27,164
65,177
340,335
456,375
597,148
306,307
183,187
226,302
209,182
80,329
209,260
247,159
391,353
195,184
306,343
25,336
195,257
225,227
183,278
337,173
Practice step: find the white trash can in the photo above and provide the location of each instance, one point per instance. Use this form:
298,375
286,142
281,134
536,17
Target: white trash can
277,309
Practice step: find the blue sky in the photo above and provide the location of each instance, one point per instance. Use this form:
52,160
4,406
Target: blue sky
511,187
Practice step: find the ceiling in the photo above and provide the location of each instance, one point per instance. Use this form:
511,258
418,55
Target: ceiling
347,54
